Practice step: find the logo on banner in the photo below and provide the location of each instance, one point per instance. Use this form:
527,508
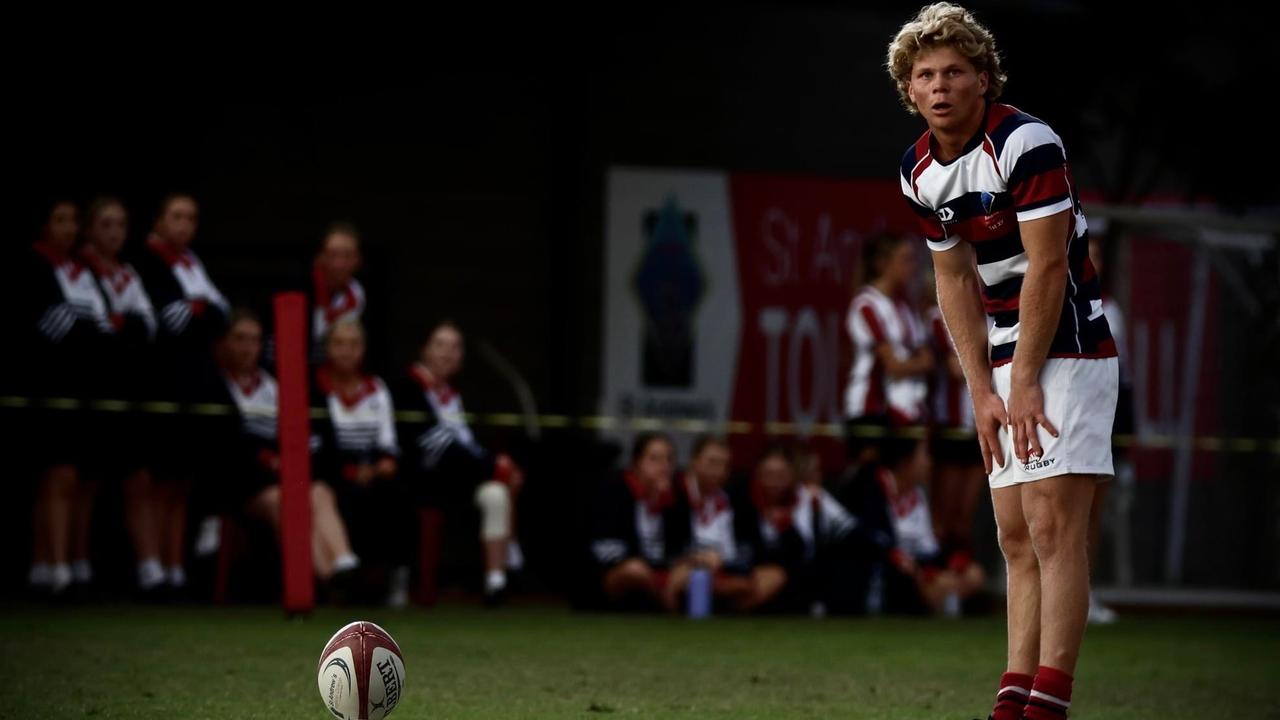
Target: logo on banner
670,284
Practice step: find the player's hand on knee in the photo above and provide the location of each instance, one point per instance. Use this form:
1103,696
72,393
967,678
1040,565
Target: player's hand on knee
1026,413
988,417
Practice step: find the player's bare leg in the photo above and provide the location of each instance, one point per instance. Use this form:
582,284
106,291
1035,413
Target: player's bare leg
941,505
1099,614
971,481
1024,581
82,528
140,515
677,583
61,484
629,577
765,583
173,522
331,548
1057,512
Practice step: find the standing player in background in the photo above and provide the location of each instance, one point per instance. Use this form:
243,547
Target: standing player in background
996,203
891,358
63,321
123,364
192,314
1100,614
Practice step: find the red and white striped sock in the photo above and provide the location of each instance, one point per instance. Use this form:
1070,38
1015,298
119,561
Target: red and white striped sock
1050,695
1012,696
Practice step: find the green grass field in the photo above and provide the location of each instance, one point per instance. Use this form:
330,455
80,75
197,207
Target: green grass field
131,662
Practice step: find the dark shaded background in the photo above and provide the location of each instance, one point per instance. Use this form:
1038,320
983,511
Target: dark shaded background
471,146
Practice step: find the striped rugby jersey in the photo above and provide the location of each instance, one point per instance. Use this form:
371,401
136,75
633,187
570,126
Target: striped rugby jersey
875,318
949,397
363,423
1015,170
258,401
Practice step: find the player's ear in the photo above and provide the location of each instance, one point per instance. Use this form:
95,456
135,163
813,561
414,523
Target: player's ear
984,81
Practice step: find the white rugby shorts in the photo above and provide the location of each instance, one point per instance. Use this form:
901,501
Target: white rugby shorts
1080,401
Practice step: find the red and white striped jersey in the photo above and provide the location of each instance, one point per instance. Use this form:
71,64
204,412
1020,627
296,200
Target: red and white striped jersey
949,404
875,318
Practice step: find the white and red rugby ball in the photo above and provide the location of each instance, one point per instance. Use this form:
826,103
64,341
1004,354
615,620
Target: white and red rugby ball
361,673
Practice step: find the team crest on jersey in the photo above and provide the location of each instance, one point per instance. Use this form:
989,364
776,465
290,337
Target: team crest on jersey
993,222
946,214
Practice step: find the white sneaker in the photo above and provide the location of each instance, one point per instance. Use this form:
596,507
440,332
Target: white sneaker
398,593
210,537
515,557
59,578
81,572
1100,614
40,576
951,606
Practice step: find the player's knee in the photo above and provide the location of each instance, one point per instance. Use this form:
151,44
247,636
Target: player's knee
494,501
1049,536
321,496
636,572
269,498
1016,545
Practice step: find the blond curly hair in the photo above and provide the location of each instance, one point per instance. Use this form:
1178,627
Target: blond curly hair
944,25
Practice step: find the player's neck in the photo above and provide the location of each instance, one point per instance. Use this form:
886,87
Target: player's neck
886,286
343,380
243,375
949,143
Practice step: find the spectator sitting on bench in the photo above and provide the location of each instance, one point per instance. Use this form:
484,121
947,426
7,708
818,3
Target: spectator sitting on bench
445,465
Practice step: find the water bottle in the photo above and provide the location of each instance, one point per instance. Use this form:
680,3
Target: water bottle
951,606
875,590
699,593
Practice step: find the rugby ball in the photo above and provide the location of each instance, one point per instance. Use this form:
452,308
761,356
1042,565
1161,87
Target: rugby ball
361,673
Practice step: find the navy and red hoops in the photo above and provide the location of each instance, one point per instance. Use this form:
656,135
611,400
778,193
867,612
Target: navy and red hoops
1014,170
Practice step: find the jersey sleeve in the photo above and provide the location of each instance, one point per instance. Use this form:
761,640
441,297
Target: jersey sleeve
1035,165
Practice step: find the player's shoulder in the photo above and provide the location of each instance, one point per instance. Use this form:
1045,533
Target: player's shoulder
380,386
868,296
915,153
1006,121
268,381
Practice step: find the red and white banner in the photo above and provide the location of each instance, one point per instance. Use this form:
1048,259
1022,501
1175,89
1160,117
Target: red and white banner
726,296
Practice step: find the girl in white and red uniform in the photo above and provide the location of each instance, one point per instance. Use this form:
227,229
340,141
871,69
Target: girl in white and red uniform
891,356
63,321
446,467
125,367
358,456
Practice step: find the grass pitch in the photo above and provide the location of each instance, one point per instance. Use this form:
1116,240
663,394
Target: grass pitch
194,663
